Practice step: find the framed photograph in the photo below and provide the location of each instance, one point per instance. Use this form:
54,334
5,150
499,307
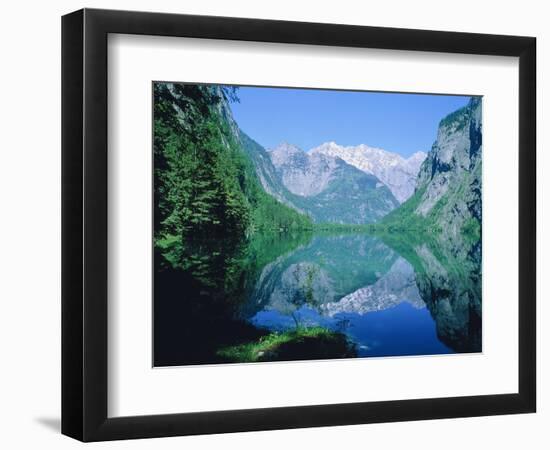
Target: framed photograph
272,224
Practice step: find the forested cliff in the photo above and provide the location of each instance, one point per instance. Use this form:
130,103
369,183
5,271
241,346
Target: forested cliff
205,185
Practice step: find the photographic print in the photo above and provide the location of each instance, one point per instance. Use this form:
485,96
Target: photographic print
312,224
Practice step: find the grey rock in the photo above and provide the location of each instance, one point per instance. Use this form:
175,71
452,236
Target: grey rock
396,172
303,174
329,189
450,180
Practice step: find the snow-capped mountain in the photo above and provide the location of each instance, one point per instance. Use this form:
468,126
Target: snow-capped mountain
396,172
329,189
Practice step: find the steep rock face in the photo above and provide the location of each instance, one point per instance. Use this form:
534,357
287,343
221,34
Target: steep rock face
447,199
396,172
448,202
329,189
449,181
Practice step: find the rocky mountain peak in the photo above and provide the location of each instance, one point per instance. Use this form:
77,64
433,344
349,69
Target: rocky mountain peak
302,173
286,147
330,189
286,153
397,173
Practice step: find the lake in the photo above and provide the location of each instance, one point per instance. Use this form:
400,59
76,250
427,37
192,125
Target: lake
295,296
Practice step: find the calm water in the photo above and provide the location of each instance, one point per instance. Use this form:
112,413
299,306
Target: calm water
386,299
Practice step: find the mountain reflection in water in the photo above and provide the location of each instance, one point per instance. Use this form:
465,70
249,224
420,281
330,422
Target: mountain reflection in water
386,297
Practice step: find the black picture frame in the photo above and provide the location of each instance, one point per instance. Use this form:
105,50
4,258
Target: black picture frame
84,224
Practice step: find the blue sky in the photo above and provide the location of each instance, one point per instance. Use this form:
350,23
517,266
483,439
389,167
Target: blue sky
402,123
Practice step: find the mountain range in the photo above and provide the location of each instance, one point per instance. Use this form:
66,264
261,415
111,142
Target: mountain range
331,183
337,184
250,188
330,190
397,173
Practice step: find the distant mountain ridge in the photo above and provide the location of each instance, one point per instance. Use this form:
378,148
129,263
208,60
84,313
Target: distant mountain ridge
397,173
330,190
